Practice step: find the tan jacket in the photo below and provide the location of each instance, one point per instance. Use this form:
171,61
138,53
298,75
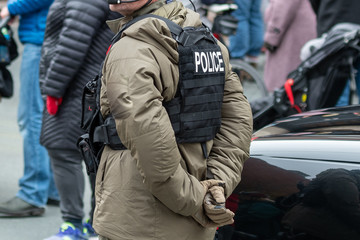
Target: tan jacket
153,190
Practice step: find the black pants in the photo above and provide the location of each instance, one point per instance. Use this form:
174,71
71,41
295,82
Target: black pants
67,167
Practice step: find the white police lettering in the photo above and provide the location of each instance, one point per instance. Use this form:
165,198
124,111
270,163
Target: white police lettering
208,62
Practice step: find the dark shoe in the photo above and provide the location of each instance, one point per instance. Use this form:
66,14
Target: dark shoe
53,202
17,207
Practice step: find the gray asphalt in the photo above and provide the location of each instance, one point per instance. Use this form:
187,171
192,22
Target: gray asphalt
11,170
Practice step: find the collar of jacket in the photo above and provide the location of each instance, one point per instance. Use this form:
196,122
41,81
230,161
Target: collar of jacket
115,25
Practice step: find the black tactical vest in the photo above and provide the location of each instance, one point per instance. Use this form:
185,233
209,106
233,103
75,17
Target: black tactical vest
195,112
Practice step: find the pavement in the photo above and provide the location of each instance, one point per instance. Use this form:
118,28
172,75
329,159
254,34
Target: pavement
11,170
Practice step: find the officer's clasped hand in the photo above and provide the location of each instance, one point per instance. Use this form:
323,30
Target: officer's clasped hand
214,204
52,104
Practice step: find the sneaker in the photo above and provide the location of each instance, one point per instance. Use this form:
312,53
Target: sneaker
89,231
17,207
68,232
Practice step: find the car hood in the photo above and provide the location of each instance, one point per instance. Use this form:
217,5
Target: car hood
329,135
327,123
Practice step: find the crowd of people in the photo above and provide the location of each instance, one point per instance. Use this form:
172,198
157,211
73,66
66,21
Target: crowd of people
159,179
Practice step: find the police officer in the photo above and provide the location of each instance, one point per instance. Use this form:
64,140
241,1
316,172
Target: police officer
159,188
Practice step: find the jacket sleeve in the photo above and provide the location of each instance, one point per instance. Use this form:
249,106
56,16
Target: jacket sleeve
279,18
20,7
232,143
144,127
81,21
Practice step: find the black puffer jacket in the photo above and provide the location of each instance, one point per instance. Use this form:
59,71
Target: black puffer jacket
75,44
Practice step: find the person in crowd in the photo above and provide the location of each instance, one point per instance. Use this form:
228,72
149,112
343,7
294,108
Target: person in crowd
248,40
330,13
330,207
37,185
158,188
76,40
289,25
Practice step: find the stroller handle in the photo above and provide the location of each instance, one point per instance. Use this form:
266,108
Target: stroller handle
4,21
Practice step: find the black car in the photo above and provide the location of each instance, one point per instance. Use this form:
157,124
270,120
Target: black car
284,157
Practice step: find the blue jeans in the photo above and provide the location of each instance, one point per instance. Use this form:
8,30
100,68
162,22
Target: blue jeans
249,38
345,96
37,183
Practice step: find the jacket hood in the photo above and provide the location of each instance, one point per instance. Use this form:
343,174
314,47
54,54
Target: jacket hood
155,31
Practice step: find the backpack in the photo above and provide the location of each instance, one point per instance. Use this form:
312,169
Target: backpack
195,111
